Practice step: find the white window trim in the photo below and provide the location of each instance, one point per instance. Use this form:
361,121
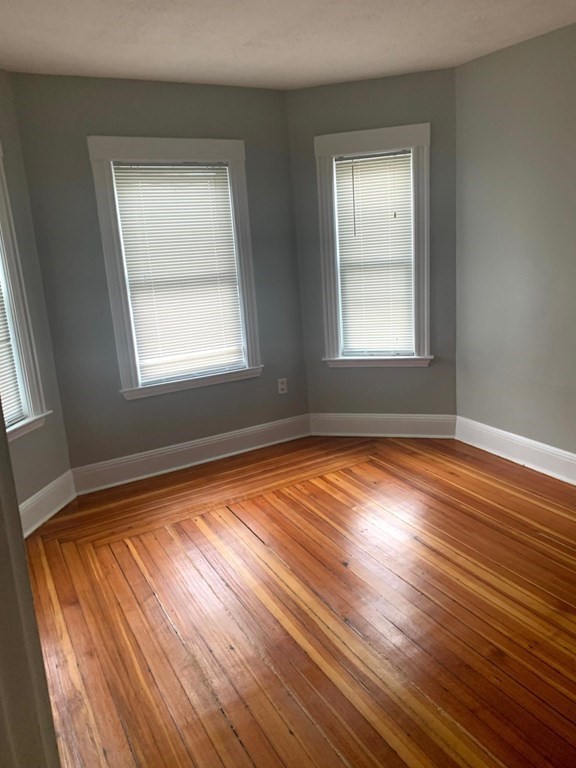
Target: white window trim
26,425
375,141
104,150
28,367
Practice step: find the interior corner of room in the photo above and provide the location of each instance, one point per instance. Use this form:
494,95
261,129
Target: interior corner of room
462,566
501,269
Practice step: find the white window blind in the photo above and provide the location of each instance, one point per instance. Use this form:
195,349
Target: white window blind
180,255
13,403
374,222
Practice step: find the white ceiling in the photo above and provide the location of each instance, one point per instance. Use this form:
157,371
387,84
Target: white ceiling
266,43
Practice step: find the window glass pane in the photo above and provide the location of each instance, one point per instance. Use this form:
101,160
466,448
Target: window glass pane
10,388
181,265
374,220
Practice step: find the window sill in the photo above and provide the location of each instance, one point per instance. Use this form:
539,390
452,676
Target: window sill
28,425
200,381
379,362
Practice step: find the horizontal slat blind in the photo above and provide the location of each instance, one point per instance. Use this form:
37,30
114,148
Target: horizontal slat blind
10,390
375,252
180,254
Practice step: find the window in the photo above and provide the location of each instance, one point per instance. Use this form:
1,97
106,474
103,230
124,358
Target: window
373,196
22,400
174,220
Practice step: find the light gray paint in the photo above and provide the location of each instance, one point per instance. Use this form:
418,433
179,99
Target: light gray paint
517,239
42,455
56,115
426,97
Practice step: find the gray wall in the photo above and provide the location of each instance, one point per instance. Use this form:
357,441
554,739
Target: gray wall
517,239
56,115
425,97
42,455
516,155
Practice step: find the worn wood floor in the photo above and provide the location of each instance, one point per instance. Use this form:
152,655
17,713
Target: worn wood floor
327,602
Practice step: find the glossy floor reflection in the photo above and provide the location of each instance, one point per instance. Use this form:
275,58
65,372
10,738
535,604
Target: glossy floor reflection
328,602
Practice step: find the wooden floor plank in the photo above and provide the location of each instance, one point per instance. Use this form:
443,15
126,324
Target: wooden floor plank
418,617
152,732
459,606
363,608
82,742
330,602
340,723
284,708
372,662
180,686
241,683
143,505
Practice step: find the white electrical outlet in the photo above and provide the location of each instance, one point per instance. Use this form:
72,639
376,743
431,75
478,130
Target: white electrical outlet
282,386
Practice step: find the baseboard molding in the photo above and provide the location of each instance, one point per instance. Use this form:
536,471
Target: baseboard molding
522,450
382,425
125,469
46,502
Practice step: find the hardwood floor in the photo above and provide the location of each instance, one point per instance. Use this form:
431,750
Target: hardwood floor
327,602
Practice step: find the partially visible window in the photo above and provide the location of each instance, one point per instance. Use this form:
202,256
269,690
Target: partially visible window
374,206
11,387
20,391
176,238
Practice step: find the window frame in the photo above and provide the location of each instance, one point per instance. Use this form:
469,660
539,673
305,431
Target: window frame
25,349
328,147
103,152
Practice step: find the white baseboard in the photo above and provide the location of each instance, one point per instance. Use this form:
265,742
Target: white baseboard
46,502
382,425
125,469
522,450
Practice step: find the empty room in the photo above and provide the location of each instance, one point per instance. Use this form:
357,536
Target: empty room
288,379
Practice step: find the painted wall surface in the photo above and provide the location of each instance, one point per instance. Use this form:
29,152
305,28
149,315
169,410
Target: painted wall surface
56,115
426,97
517,239
42,455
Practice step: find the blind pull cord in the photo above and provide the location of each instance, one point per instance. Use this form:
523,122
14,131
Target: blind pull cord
354,199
